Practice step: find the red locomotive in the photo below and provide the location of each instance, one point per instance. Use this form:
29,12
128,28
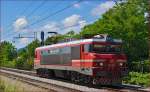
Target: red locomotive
98,60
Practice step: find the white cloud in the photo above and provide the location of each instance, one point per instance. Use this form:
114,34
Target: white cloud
73,22
24,40
82,23
76,5
52,26
20,23
102,8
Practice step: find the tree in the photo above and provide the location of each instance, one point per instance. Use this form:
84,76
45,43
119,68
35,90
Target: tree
125,21
7,54
59,38
26,56
31,48
54,39
7,51
148,11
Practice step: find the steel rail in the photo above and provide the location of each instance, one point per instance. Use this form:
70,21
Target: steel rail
30,77
33,73
50,84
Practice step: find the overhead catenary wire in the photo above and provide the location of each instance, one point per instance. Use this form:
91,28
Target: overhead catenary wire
64,28
53,14
50,15
40,20
33,11
22,13
47,10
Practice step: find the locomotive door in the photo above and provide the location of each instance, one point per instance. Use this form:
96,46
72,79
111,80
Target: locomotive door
82,56
75,53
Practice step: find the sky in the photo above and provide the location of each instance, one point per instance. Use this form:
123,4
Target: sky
25,17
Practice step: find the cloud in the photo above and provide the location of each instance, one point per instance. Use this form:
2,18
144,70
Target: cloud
20,23
76,5
52,26
73,22
82,23
24,40
102,8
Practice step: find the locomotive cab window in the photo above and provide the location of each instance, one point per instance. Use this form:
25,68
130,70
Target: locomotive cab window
98,48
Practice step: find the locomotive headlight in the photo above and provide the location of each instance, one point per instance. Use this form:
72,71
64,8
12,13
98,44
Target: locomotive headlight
121,64
101,64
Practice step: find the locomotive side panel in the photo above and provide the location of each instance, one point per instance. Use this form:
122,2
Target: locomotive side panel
58,56
65,54
50,59
50,56
75,52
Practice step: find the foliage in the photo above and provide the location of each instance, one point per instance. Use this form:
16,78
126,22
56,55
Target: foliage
53,39
60,38
140,66
28,65
22,59
7,52
19,62
31,48
26,56
10,64
125,21
138,79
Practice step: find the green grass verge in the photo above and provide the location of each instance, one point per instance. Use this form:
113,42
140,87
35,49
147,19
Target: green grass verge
7,88
137,78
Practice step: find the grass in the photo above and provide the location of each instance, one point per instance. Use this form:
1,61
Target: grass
6,87
10,64
136,78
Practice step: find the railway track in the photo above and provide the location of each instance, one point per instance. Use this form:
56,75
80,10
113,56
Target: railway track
61,86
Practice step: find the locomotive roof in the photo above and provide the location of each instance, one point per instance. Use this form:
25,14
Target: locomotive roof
79,42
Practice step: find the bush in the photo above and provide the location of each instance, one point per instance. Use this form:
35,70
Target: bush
19,62
138,79
22,63
136,66
10,64
28,65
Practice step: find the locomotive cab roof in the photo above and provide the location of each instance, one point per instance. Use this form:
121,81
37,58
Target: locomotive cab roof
96,38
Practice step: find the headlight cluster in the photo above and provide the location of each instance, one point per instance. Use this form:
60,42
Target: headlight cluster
101,64
120,64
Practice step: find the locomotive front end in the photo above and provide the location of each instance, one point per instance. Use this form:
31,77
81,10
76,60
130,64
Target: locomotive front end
108,61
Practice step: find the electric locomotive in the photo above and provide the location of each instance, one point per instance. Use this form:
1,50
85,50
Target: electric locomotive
98,60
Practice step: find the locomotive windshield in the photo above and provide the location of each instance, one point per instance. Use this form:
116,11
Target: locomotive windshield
97,48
